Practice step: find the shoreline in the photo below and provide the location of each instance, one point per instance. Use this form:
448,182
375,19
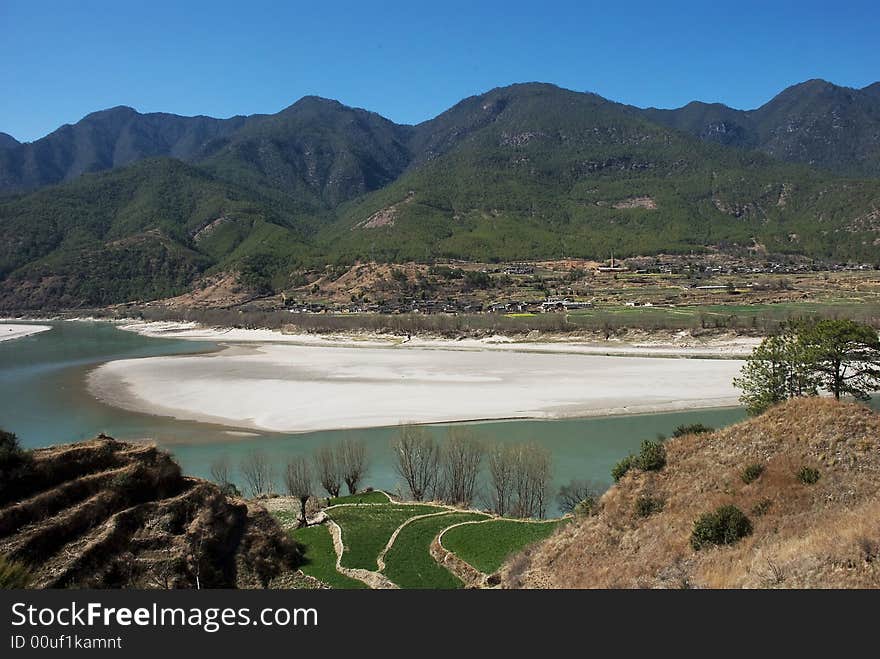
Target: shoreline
12,331
287,387
653,344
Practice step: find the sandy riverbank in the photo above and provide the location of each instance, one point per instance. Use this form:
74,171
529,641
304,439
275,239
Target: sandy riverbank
9,332
680,344
288,387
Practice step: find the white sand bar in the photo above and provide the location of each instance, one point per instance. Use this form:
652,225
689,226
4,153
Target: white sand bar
680,344
295,388
9,332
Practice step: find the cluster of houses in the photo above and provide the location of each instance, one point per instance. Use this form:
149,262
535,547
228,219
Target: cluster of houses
729,265
451,306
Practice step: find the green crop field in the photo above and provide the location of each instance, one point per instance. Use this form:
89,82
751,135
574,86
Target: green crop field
486,546
320,559
408,562
376,496
367,529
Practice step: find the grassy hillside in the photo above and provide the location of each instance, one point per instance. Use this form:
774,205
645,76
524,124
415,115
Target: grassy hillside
804,475
140,232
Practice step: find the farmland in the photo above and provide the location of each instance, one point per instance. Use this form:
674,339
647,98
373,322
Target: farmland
389,544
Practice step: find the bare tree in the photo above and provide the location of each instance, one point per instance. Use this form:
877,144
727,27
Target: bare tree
418,460
502,461
328,470
351,456
531,480
576,492
298,479
257,472
220,474
462,455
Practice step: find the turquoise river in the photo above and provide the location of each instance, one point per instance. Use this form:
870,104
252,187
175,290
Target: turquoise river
43,400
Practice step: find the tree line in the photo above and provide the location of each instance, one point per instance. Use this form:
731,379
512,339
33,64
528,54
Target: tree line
451,471
518,480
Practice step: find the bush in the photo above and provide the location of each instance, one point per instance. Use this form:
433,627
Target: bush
808,475
621,468
752,473
14,463
13,575
723,526
652,456
230,490
647,506
11,453
761,508
585,508
692,429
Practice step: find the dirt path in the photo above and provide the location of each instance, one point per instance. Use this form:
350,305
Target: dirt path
380,559
470,575
372,579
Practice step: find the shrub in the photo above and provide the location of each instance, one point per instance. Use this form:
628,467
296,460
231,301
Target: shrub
808,475
752,473
11,453
652,456
13,575
585,508
230,490
647,506
692,429
723,526
761,507
14,464
621,468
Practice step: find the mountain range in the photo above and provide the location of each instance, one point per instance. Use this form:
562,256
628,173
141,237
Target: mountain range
124,205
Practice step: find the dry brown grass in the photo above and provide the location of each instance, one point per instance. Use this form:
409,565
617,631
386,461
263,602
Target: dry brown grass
825,535
107,514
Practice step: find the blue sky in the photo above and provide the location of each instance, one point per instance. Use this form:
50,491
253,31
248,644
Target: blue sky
410,60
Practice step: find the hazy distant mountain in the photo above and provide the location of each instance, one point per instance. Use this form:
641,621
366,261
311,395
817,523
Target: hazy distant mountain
520,172
815,122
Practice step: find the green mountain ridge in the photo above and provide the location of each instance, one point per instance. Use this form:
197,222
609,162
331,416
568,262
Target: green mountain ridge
815,122
521,172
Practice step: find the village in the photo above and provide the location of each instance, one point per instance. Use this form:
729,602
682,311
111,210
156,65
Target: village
568,285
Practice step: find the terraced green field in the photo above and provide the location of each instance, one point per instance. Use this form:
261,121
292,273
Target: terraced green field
368,521
486,546
408,562
362,497
320,559
367,529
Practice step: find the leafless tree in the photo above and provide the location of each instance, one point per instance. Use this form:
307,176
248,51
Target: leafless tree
502,460
531,480
220,470
257,472
578,491
328,470
351,456
462,455
298,479
417,460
